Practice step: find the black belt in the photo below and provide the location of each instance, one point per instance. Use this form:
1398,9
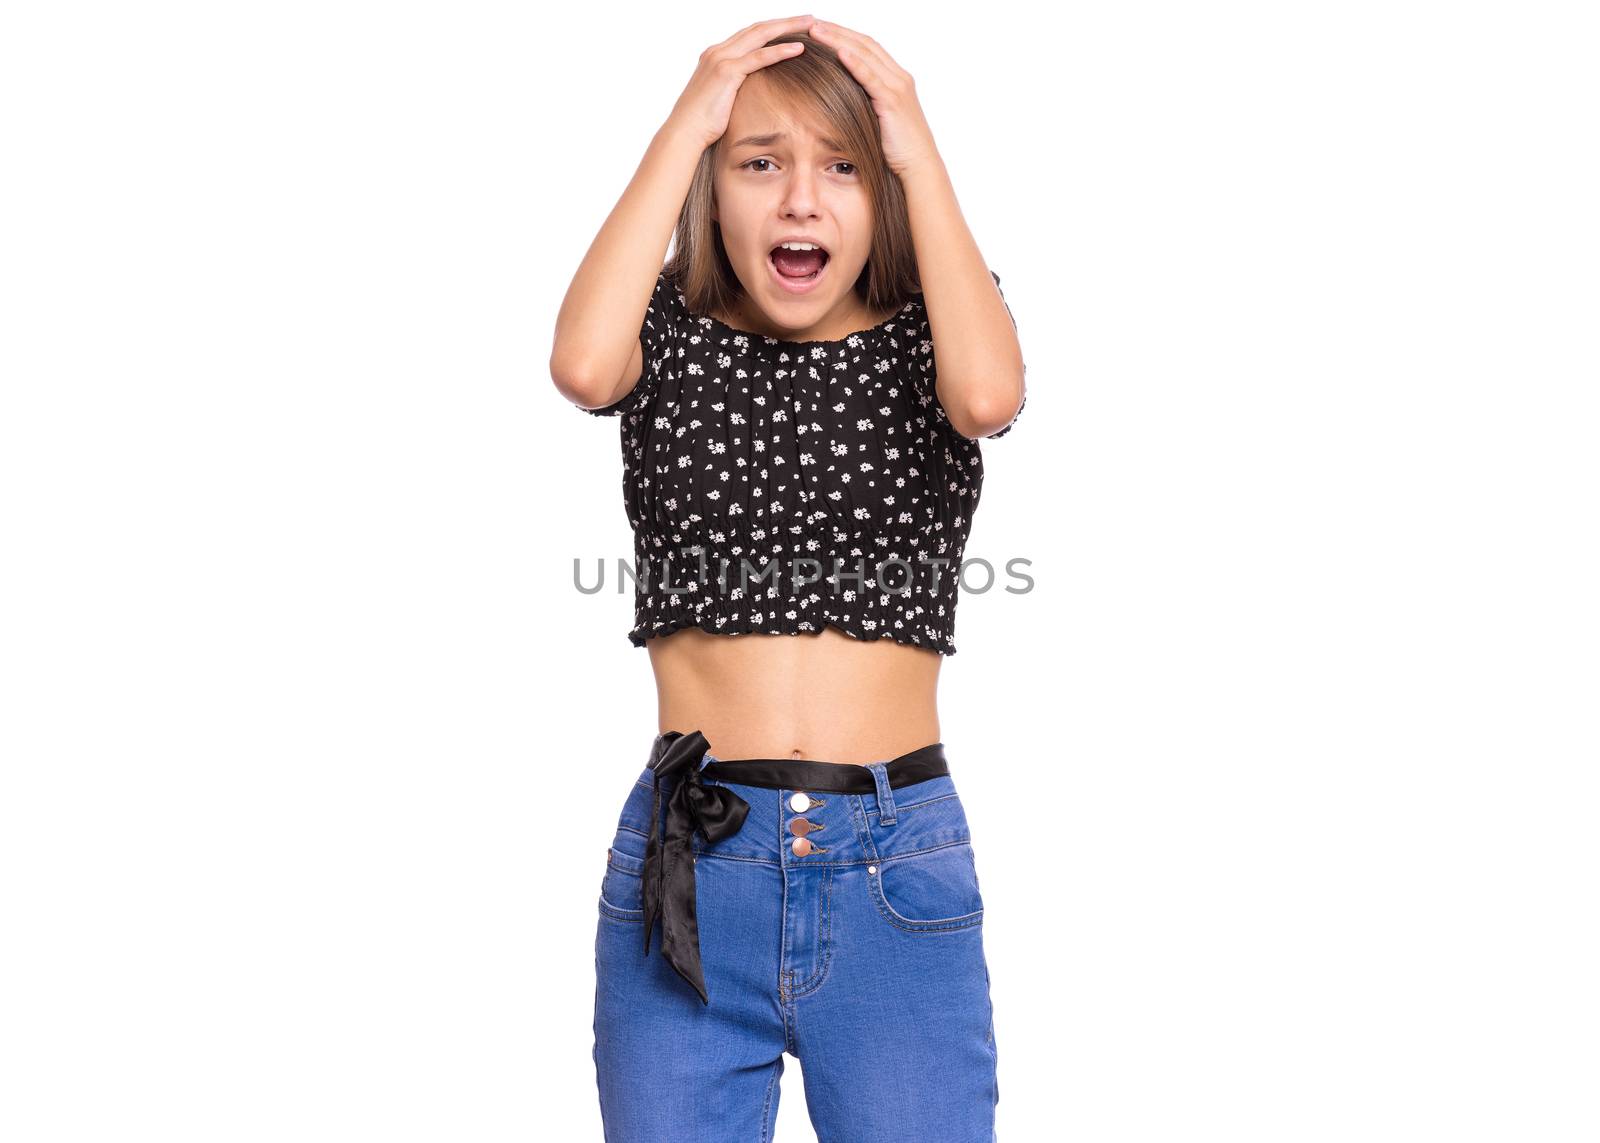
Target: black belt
719,813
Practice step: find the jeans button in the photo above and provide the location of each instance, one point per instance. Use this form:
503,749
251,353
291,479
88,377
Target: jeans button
798,802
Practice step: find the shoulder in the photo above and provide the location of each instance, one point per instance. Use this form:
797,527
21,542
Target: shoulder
668,296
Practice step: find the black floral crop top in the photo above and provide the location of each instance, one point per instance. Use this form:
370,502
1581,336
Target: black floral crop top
779,486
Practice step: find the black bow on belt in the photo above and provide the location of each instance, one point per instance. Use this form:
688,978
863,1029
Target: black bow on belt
669,861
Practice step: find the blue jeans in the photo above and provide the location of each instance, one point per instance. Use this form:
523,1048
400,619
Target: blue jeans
861,956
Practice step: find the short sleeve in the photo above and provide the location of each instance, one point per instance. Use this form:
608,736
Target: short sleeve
1024,405
664,320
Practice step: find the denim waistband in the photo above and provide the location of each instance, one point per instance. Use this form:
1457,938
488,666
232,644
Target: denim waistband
791,812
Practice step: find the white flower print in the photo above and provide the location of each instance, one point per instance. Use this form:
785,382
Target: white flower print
707,448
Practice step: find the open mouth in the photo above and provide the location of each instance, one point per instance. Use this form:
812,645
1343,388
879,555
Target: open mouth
798,267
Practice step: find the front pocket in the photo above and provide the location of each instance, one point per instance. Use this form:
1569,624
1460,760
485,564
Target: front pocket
622,889
930,892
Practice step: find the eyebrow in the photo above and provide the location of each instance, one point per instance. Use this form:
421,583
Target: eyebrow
779,136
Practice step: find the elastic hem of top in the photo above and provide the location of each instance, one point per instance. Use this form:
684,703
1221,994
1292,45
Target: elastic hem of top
745,627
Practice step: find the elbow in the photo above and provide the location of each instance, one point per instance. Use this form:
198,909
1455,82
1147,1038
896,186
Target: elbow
577,384
990,413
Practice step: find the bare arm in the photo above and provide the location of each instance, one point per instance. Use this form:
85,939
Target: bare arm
977,357
596,356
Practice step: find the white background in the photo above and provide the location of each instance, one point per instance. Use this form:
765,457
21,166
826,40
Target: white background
1282,781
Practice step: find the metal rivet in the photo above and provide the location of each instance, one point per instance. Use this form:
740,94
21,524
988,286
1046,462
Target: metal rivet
872,869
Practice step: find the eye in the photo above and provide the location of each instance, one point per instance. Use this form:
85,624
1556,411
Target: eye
749,165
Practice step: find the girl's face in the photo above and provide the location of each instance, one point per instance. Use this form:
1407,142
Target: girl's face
778,179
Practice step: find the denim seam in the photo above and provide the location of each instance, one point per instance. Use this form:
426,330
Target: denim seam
766,1105
843,863
858,818
614,911
911,924
907,925
629,916
746,858
899,853
872,853
901,807
787,1011
883,793
783,940
815,982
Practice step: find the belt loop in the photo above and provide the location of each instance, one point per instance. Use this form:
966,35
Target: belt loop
880,775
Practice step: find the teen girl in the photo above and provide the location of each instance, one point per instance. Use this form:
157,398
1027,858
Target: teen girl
801,391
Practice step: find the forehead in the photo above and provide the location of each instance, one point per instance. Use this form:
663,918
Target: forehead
761,119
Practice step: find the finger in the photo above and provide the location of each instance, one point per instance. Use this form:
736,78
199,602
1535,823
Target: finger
757,34
863,47
862,63
766,56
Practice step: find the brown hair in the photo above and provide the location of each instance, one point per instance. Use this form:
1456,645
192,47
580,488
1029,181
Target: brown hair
817,82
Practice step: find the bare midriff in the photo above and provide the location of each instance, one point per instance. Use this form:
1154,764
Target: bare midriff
828,697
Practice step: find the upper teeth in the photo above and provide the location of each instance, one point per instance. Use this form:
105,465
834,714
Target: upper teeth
799,246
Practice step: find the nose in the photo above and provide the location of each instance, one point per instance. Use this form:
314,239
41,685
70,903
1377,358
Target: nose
800,194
